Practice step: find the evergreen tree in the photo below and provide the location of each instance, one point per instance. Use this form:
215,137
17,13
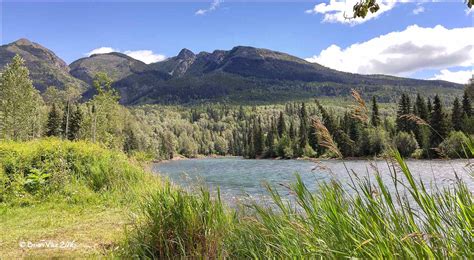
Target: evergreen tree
281,125
327,119
303,132
259,138
438,123
291,132
429,107
313,137
375,120
456,115
466,104
404,109
421,108
75,124
270,140
53,126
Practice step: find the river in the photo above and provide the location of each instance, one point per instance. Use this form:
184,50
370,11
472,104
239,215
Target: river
240,180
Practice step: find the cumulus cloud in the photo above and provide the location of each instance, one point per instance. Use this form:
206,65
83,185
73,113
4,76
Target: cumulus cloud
337,11
461,77
403,52
418,10
146,56
214,5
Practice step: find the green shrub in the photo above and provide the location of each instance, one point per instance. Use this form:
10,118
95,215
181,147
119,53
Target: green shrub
43,167
454,146
405,143
374,142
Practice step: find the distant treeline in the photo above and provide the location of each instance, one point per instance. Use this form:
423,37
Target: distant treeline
421,128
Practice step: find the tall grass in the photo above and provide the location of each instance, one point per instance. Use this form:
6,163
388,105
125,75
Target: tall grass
371,221
37,170
176,224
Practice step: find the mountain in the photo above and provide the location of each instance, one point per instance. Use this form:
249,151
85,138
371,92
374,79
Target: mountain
247,74
240,75
46,69
116,65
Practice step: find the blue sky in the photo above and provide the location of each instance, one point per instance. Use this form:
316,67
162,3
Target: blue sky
303,29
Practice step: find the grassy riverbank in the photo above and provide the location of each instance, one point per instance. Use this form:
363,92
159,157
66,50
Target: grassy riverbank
54,191
108,205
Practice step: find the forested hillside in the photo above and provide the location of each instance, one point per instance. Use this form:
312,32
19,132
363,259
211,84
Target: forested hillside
358,127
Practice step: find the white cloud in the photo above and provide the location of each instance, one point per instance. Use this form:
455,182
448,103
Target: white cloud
403,52
338,11
101,50
146,56
214,5
461,77
418,10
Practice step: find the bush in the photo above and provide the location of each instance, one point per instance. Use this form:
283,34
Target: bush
454,146
41,168
374,142
284,148
308,151
405,143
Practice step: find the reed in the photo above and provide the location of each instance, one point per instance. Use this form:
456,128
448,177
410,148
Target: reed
410,222
370,221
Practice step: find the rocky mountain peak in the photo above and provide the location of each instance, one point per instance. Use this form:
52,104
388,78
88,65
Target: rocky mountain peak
186,54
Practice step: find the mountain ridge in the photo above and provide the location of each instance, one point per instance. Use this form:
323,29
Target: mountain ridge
46,68
243,73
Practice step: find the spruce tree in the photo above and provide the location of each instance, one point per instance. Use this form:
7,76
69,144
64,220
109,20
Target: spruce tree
291,132
270,140
53,125
313,137
438,123
303,132
456,115
421,108
75,124
375,120
404,108
281,125
429,107
466,104
258,137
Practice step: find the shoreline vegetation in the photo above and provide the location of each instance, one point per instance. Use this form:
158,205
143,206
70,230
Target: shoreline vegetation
109,206
381,158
